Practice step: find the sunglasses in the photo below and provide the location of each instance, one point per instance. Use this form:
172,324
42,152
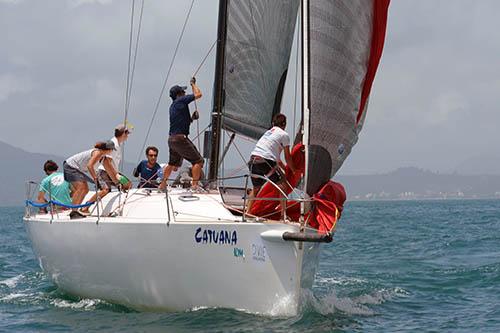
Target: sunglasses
153,155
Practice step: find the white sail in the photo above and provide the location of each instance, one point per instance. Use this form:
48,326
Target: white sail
345,40
257,52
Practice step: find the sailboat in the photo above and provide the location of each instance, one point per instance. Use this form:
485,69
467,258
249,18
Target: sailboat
177,250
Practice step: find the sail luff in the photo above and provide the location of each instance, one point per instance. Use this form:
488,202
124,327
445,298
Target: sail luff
216,123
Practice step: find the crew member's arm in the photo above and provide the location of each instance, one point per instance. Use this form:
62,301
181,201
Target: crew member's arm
108,165
196,91
137,170
41,199
96,156
288,158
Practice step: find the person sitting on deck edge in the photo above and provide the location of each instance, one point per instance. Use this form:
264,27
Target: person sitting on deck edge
148,170
178,142
54,186
265,158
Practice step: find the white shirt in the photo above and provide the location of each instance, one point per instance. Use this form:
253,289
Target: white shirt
115,155
81,160
271,144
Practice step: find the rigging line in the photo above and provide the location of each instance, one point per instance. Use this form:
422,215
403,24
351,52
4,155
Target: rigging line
239,152
130,84
129,57
246,138
135,60
203,130
195,104
120,167
166,79
198,130
205,58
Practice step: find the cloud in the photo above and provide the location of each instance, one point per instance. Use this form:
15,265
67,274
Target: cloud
11,84
76,3
445,106
67,60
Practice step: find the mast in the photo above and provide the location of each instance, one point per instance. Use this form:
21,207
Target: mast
218,92
305,87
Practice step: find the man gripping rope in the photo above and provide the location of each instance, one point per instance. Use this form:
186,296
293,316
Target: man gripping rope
180,147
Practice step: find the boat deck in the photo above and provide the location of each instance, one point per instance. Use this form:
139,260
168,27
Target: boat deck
153,206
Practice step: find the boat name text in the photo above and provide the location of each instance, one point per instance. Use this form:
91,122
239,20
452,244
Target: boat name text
222,237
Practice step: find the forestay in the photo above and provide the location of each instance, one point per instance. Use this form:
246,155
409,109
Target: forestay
258,45
344,48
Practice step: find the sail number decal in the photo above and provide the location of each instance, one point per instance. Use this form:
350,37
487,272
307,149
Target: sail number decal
259,252
221,237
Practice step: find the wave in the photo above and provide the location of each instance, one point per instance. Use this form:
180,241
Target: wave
13,281
355,305
84,304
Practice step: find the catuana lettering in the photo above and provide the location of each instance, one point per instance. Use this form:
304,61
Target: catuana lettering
222,237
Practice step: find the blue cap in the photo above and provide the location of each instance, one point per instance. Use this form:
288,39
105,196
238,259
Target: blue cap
175,90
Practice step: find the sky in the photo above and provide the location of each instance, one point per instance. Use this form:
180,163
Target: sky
63,69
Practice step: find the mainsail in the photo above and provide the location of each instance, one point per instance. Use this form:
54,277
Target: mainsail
344,41
257,51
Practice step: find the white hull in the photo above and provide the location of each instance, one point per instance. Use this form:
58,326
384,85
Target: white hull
184,264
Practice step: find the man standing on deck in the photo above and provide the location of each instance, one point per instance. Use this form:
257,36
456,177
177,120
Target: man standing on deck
180,147
265,158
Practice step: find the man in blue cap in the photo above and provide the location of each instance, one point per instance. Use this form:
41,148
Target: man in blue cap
180,147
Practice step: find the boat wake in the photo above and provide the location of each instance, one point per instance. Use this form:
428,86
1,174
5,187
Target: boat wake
11,282
35,289
362,304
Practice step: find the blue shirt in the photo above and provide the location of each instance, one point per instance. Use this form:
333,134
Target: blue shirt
57,187
180,118
147,173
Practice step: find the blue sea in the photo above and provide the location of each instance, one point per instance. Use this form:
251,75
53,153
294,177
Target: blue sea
416,266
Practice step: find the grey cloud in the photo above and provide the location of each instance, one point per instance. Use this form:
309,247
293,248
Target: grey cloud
63,70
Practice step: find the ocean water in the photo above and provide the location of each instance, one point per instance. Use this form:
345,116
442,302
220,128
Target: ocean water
416,266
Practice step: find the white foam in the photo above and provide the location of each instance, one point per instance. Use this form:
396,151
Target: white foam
332,303
359,305
12,282
285,306
343,280
86,304
198,308
381,296
14,296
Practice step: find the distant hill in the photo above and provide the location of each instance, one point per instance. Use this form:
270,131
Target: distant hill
414,183
486,164
18,166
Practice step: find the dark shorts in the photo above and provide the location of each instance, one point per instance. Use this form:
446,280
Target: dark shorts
264,167
105,179
180,147
74,175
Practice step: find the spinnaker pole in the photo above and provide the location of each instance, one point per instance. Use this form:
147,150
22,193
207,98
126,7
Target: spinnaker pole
216,131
